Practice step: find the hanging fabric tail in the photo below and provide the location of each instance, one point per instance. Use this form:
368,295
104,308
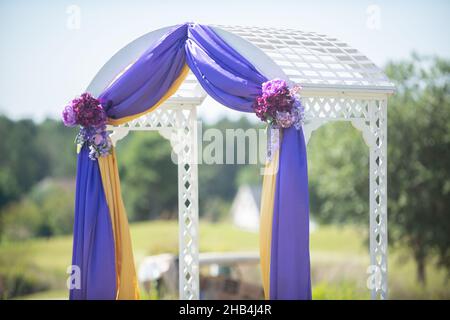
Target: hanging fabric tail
93,259
127,285
265,229
102,245
285,221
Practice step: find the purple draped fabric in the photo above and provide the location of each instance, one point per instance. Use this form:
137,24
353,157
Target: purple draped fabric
149,78
234,82
93,239
224,74
289,263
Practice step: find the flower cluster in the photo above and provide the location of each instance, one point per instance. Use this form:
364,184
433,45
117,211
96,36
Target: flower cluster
88,113
97,139
278,105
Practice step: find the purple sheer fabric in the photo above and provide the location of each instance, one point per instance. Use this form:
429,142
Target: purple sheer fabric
222,72
234,82
289,263
93,239
149,78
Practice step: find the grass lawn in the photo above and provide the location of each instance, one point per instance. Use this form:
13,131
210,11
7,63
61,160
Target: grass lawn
339,259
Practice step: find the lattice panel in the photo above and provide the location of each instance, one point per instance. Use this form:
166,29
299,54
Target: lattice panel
314,58
335,108
378,197
186,139
320,110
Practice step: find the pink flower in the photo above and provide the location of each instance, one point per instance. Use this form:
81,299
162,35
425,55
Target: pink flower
87,111
98,139
274,86
278,106
275,96
285,119
69,116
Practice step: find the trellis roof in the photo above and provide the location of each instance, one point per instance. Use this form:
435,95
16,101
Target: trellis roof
316,60
313,60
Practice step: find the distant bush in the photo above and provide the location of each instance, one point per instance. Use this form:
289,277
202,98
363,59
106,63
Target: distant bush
46,211
19,277
216,209
19,282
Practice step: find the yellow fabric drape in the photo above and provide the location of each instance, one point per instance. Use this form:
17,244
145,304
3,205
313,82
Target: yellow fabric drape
126,280
265,229
175,85
127,285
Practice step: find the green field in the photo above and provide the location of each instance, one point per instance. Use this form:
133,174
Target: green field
339,259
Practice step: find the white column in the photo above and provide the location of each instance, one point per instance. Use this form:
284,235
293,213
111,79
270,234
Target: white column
188,207
378,198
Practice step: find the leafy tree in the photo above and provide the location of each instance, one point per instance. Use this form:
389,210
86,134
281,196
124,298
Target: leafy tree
148,176
418,164
419,158
46,211
57,142
22,162
338,164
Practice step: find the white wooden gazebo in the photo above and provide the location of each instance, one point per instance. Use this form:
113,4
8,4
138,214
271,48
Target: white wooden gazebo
339,84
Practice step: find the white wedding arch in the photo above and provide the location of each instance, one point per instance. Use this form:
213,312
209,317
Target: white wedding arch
339,84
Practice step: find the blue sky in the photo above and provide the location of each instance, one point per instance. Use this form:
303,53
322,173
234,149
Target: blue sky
43,63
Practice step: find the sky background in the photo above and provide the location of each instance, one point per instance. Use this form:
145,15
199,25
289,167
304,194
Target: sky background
45,62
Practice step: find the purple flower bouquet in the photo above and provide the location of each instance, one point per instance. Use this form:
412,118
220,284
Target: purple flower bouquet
88,113
278,105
